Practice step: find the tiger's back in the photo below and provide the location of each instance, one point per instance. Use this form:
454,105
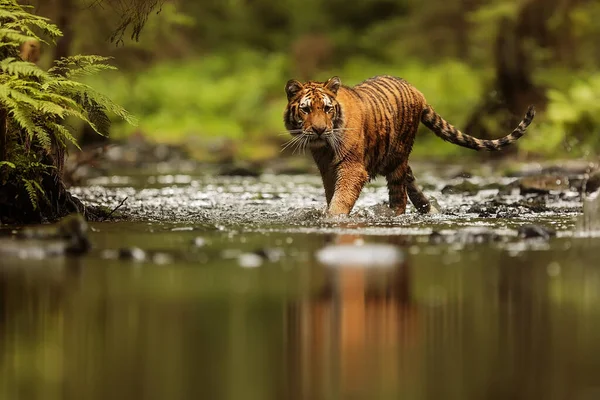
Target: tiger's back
391,109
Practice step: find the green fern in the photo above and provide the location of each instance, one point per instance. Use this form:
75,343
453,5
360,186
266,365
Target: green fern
38,102
31,190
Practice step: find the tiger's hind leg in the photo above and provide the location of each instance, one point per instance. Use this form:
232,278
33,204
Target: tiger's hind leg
397,184
402,183
415,194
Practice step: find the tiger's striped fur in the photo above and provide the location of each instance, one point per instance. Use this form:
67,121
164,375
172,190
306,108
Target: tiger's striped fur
357,133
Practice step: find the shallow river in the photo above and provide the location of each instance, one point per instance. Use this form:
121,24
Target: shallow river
237,288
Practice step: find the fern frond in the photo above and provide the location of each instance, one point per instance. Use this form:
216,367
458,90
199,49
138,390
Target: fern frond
16,37
62,132
31,192
8,164
78,65
23,119
22,68
40,190
43,137
15,16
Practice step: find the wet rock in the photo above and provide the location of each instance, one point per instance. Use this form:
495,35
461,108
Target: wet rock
535,231
465,187
543,184
362,255
462,174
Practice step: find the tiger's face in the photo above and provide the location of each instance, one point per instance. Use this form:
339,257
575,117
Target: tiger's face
313,111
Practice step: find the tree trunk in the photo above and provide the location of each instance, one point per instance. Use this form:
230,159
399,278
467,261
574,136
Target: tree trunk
64,20
513,88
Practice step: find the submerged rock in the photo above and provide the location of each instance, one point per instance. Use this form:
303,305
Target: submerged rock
466,236
361,255
535,231
68,236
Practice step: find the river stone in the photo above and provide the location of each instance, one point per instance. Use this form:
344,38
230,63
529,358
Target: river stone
543,184
465,187
362,255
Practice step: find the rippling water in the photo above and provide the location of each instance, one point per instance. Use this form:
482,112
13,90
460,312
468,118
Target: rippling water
240,289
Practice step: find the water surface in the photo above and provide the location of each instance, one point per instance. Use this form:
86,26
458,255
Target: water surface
229,299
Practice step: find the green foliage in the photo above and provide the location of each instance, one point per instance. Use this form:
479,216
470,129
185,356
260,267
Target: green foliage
572,122
241,97
236,96
38,103
196,79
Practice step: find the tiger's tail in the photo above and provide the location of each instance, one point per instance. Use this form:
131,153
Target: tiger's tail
449,133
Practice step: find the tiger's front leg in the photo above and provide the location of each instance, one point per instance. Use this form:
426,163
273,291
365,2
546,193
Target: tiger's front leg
350,180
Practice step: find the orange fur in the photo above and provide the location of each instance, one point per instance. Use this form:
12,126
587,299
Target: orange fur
356,133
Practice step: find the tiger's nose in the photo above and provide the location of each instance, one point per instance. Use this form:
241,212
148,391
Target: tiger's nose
319,130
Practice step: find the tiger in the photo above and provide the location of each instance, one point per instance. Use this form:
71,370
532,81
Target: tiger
356,133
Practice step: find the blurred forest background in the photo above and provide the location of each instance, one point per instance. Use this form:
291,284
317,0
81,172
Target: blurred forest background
210,73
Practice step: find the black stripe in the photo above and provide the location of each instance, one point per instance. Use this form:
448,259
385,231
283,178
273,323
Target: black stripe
378,118
390,111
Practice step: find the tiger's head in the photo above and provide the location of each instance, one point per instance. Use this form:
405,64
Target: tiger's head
313,110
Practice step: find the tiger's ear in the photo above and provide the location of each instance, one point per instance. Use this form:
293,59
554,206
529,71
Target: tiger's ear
333,84
292,87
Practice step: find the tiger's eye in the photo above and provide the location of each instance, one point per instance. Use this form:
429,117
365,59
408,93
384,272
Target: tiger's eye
305,109
328,109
